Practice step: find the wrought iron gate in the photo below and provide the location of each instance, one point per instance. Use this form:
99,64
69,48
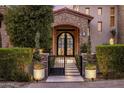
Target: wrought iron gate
80,64
56,65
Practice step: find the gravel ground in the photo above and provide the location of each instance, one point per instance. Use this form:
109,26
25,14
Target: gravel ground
95,84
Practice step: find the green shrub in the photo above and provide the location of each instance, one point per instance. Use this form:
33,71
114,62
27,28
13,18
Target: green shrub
110,59
90,66
83,48
23,22
13,62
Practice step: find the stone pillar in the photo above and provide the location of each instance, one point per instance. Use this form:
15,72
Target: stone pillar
44,60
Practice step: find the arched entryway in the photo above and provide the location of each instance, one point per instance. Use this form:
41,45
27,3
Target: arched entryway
65,44
65,40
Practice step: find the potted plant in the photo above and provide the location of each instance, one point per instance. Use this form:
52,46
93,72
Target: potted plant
90,71
38,71
83,48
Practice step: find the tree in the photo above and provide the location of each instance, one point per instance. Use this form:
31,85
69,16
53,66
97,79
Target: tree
23,22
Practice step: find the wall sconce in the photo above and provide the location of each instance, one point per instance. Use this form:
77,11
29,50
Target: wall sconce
111,41
83,34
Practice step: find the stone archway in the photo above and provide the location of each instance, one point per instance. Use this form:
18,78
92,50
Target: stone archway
69,21
73,31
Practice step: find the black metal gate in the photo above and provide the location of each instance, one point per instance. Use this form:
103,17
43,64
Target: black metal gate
56,65
80,64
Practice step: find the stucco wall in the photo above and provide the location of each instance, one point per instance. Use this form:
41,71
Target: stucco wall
121,24
98,38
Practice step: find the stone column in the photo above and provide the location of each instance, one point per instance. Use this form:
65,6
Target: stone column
44,60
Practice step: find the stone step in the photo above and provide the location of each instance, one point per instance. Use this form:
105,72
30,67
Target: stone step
71,71
70,68
65,79
72,74
70,65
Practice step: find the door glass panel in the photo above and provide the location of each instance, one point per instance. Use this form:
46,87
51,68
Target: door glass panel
69,44
61,44
65,45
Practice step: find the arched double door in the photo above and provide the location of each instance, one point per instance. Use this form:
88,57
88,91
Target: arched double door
65,44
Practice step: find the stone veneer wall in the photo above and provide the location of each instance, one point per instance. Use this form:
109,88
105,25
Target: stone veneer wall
70,19
44,60
3,33
121,24
4,36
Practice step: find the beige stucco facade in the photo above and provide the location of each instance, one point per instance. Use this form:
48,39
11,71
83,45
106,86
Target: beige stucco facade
121,24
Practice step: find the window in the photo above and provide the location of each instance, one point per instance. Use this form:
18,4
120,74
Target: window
112,16
112,11
87,11
99,11
99,26
112,21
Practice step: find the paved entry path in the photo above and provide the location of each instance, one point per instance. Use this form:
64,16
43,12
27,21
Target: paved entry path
41,84
95,84
71,71
65,79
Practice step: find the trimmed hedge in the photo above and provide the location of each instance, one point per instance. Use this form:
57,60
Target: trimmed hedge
13,62
110,59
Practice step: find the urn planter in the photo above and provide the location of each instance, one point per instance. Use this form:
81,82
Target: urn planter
90,74
90,71
38,72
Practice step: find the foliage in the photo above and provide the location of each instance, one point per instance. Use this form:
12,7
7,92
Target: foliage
89,45
36,55
110,58
13,62
89,59
37,40
83,48
23,22
113,32
90,66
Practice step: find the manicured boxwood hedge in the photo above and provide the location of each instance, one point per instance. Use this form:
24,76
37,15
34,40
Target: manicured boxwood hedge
13,62
110,58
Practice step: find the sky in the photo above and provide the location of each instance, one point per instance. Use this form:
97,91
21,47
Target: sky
61,6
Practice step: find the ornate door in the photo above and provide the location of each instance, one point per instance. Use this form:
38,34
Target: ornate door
65,44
